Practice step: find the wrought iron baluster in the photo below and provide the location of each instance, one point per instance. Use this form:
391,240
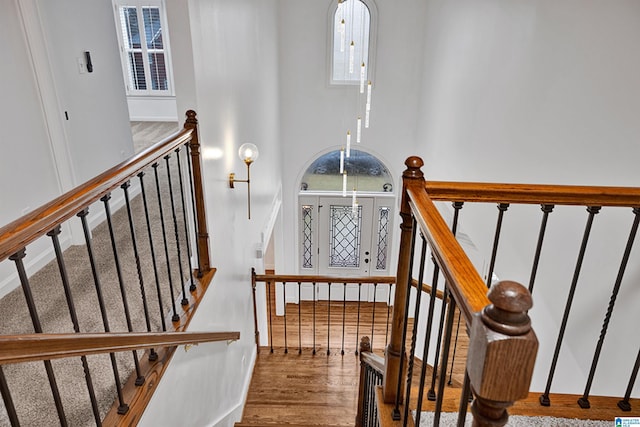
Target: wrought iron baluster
344,308
624,403
184,300
358,317
175,317
457,206
414,334
8,401
445,356
74,318
431,394
386,333
193,206
134,242
502,208
37,327
584,400
123,292
546,209
284,300
123,408
395,413
329,321
192,286
465,398
299,321
152,251
592,210
268,285
373,312
314,318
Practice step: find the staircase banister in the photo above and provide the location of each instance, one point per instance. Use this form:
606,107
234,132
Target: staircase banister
34,347
533,193
291,278
24,230
427,289
466,285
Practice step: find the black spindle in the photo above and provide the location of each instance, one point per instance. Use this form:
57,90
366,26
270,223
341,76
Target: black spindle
123,291
284,300
175,317
268,285
153,252
592,210
329,320
431,394
546,210
502,208
386,333
193,206
584,400
456,206
134,243
192,287
314,318
373,312
344,308
358,317
74,317
624,403
8,401
184,300
414,334
299,320
37,326
445,357
123,408
465,397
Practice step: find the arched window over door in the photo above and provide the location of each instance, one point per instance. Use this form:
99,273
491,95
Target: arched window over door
334,237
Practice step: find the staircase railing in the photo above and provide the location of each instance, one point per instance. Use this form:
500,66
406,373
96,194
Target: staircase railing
146,248
502,346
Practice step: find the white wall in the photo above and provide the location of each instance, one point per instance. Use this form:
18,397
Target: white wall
315,117
532,92
225,68
153,109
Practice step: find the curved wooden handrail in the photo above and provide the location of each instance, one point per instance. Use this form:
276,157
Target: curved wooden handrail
290,278
427,289
33,347
468,288
533,194
24,230
375,361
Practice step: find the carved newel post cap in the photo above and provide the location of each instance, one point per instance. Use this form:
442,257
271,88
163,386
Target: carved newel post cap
365,345
508,312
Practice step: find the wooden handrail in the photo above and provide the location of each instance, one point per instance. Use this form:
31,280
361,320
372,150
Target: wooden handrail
290,278
468,288
32,347
427,289
533,194
24,230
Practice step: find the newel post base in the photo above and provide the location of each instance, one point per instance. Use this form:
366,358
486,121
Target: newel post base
502,353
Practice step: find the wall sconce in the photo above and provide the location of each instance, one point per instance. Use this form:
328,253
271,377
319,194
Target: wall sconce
248,153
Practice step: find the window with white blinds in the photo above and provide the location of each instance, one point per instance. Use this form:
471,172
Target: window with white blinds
144,47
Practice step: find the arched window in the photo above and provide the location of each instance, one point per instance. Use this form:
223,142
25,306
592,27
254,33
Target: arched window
351,41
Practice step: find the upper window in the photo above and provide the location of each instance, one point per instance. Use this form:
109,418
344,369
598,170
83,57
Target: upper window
352,27
144,50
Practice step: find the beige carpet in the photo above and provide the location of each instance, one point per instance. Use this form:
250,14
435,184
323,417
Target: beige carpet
28,382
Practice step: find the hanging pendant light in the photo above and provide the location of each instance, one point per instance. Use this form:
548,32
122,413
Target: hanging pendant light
344,184
348,144
362,76
352,55
354,204
359,130
343,35
342,160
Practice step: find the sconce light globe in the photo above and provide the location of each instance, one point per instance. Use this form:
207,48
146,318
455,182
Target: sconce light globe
248,152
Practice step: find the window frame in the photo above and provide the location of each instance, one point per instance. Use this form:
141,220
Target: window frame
144,49
331,33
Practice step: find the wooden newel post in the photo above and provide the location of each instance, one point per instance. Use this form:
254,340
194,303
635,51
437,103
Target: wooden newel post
365,346
411,177
198,188
501,355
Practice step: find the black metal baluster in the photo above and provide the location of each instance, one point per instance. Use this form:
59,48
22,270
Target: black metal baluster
373,312
358,317
134,242
395,413
193,206
123,408
8,401
344,308
175,317
593,210
502,208
414,334
314,318
37,327
284,300
584,400
184,300
74,317
153,252
445,357
268,285
624,403
386,334
465,397
329,321
299,321
431,394
455,347
192,287
546,209
123,292
457,206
